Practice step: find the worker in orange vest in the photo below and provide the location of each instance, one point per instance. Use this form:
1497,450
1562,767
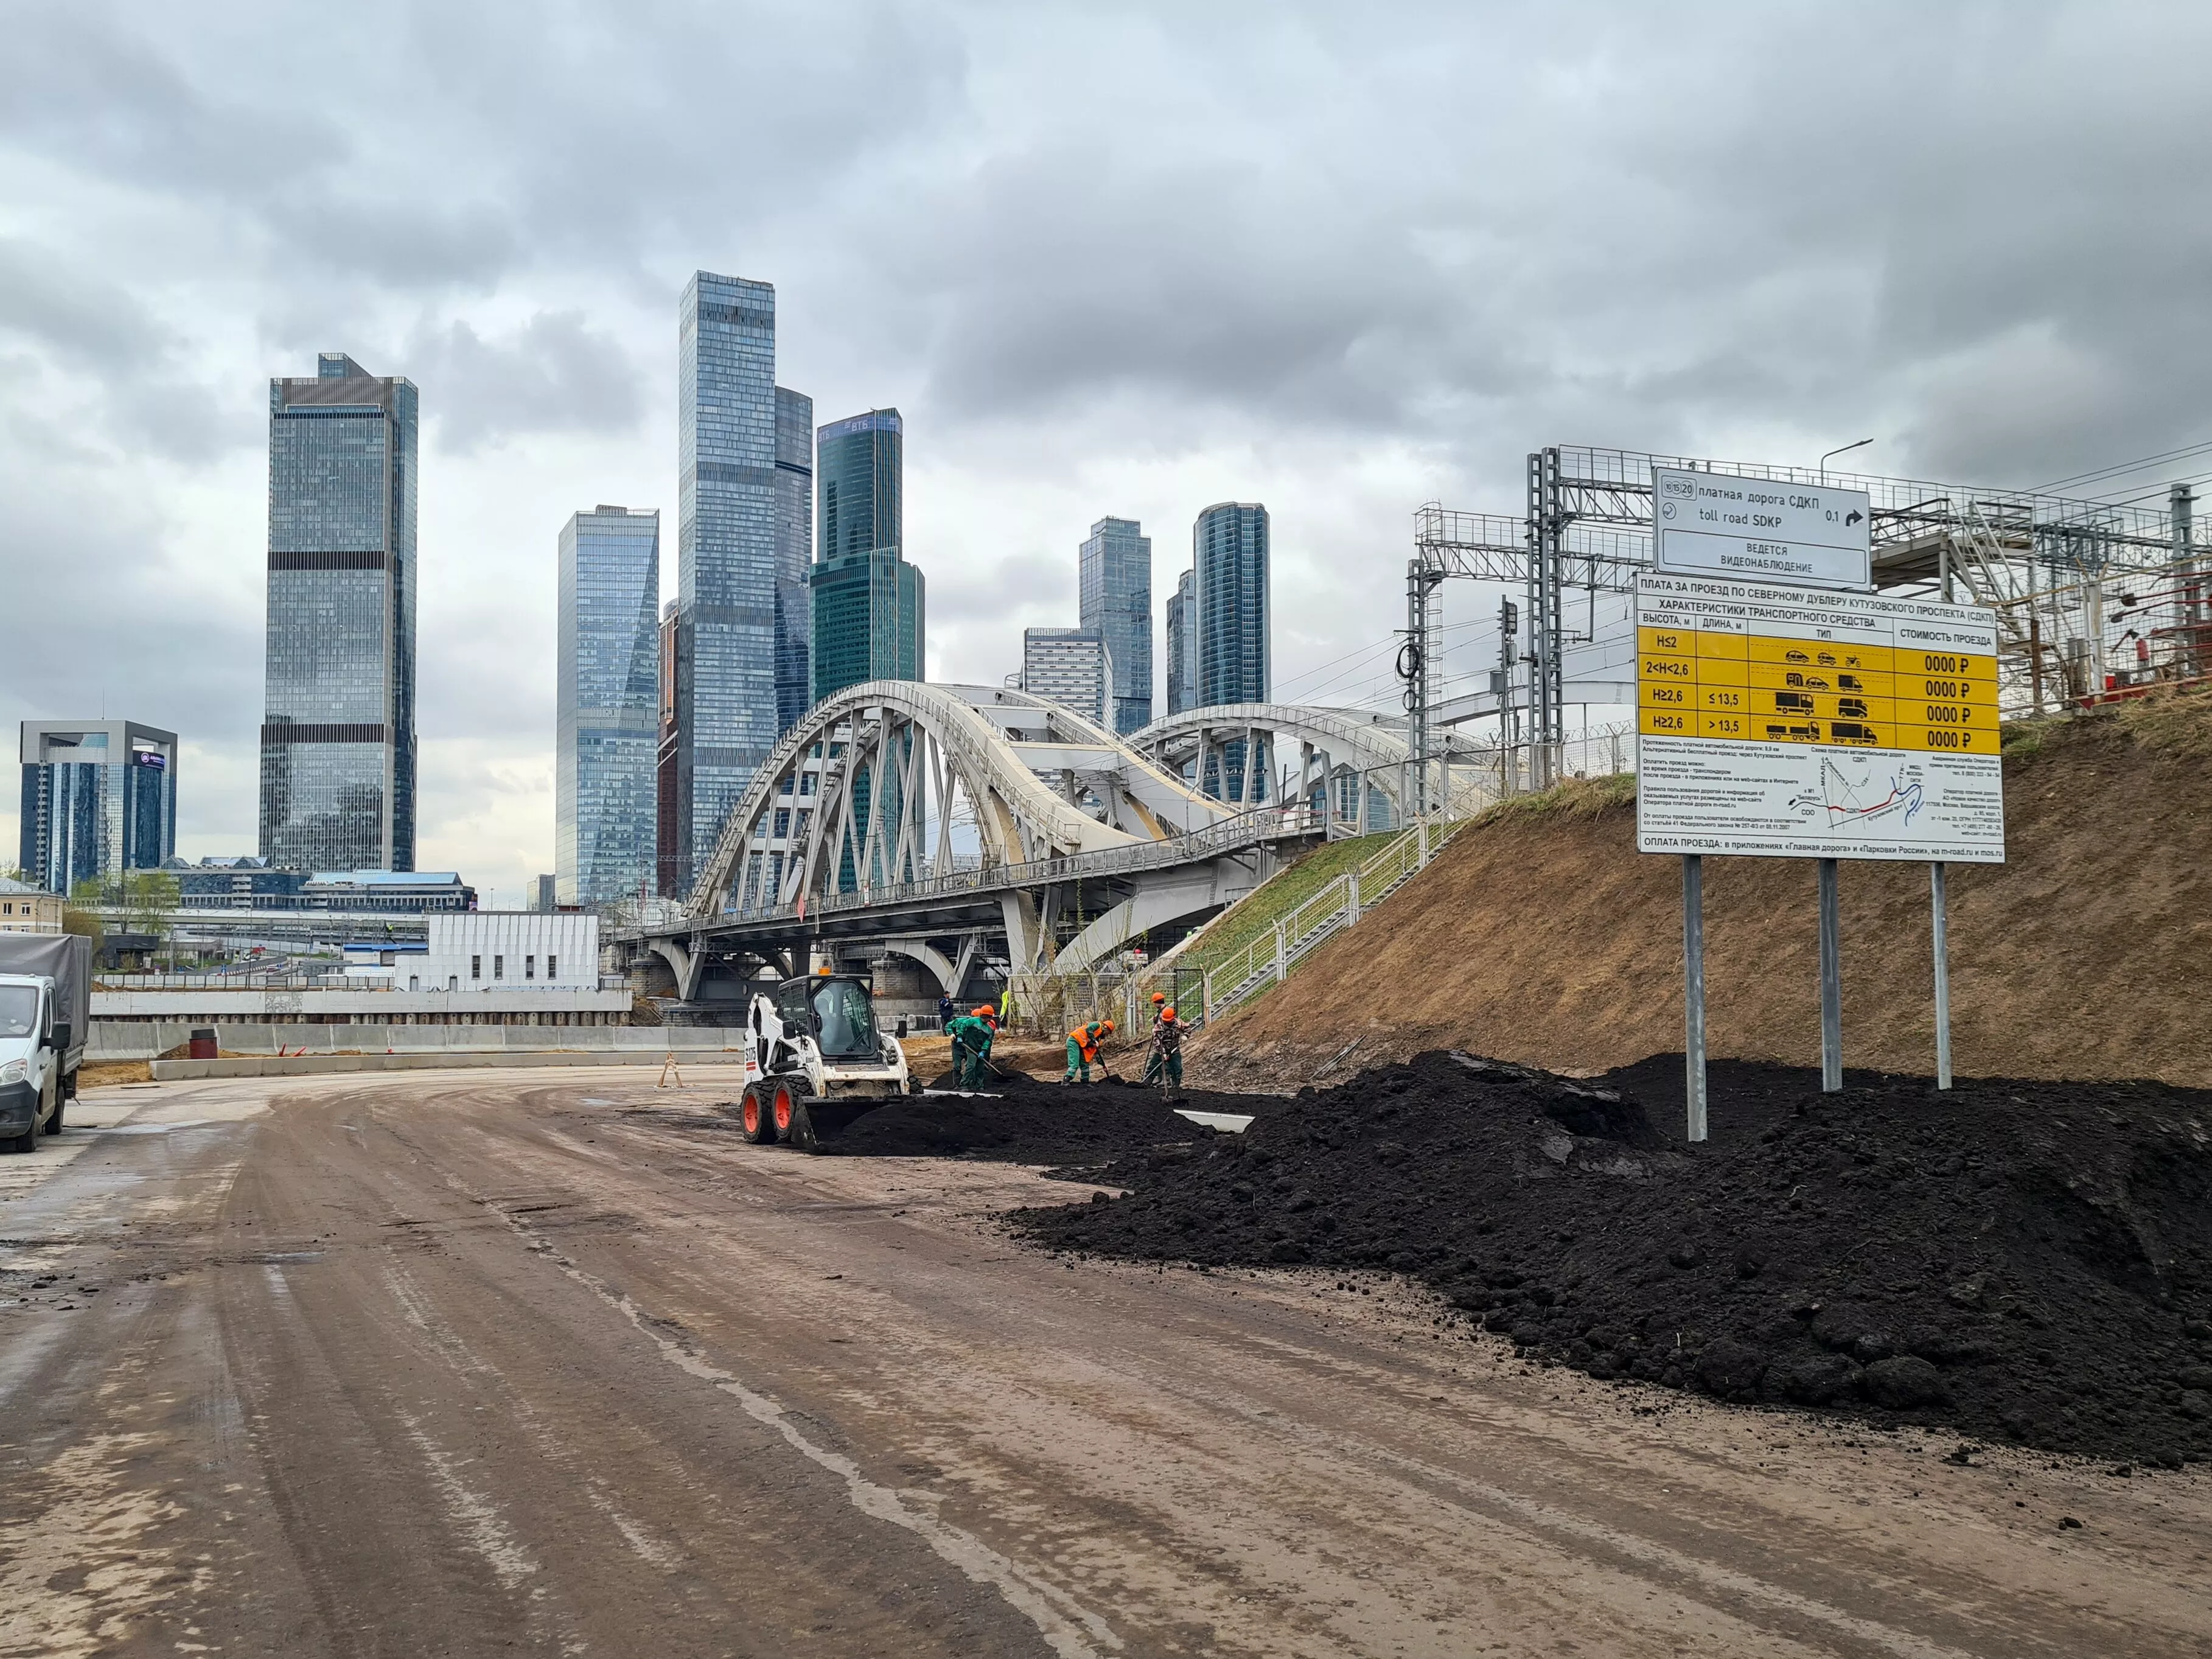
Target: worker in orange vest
1083,1046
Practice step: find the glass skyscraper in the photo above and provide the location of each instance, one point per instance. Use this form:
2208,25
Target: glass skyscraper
1114,587
1229,555
338,736
100,797
608,737
741,551
1182,644
868,600
794,553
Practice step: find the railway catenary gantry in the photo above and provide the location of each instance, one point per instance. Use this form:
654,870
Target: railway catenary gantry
2043,562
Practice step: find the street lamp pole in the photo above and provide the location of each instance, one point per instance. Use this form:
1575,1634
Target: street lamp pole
1846,450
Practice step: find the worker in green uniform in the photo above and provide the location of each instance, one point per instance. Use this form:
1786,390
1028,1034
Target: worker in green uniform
1083,1046
971,1035
1164,1061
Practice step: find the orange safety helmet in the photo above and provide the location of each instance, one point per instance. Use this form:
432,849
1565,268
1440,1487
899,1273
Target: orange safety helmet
1158,997
1167,1013
987,1012
1106,1025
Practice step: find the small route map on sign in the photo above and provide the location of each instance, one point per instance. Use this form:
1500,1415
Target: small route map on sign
1791,721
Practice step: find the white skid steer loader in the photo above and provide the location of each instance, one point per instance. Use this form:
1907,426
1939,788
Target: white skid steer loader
816,1061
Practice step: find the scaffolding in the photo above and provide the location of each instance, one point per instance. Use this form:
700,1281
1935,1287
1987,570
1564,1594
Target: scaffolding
2094,600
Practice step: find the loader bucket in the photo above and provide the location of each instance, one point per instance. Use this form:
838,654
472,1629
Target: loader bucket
816,1125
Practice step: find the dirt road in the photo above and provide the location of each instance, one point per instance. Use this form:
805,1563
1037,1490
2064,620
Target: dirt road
487,1363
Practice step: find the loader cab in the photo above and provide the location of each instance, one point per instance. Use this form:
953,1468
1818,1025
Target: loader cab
837,1010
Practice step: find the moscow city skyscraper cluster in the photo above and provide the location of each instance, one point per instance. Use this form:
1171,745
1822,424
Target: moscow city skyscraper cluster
791,584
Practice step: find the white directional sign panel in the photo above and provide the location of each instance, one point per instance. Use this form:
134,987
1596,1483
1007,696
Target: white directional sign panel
1714,523
1796,721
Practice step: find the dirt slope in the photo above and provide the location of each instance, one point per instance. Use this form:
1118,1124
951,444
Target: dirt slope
1543,935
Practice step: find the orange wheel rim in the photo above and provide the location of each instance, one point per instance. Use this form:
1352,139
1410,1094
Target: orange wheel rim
783,1109
752,1114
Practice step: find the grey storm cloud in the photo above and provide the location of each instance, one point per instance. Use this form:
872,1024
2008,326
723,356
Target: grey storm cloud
555,374
1117,257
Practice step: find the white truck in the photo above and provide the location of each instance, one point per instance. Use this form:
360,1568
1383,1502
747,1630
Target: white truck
45,1015
816,1061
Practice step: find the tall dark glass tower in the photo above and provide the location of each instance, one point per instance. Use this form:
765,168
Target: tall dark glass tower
794,553
1229,553
868,600
607,735
338,736
1114,590
741,624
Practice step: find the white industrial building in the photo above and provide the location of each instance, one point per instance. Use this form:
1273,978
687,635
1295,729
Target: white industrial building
506,952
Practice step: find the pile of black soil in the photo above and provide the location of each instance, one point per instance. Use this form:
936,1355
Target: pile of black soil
2022,1261
1026,1121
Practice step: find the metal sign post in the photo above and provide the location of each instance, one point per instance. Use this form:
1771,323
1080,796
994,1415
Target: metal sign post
1831,981
1942,940
1804,722
1694,992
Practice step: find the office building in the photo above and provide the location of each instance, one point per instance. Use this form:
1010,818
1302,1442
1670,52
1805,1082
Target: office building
1182,644
338,734
235,883
742,543
1229,555
857,479
1113,586
794,556
248,883
868,600
1071,666
25,909
100,797
608,730
667,796
545,894
397,892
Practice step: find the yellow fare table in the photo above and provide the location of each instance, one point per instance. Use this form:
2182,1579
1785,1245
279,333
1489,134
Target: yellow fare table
1720,681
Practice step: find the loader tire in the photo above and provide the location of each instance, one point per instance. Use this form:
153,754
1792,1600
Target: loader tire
784,1111
753,1116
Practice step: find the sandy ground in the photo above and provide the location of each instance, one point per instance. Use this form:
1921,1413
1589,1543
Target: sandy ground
475,1361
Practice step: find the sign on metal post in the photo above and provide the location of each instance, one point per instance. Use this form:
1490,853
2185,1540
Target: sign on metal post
1714,523
1795,721
1788,722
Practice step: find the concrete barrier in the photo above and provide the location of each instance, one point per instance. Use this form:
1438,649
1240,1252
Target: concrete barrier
143,1039
179,1071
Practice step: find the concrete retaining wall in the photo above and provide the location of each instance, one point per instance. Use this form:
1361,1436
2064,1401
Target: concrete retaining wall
143,1040
168,1070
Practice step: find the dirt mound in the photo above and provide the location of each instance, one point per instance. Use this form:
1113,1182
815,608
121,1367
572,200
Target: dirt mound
1032,1122
1543,935
2019,1260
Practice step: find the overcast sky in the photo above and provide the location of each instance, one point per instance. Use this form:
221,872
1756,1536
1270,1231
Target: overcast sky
1124,259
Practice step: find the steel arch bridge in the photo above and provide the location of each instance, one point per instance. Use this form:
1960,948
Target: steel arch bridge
948,823
924,819
1349,757
883,785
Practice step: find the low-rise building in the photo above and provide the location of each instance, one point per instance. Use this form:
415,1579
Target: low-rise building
508,950
28,910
